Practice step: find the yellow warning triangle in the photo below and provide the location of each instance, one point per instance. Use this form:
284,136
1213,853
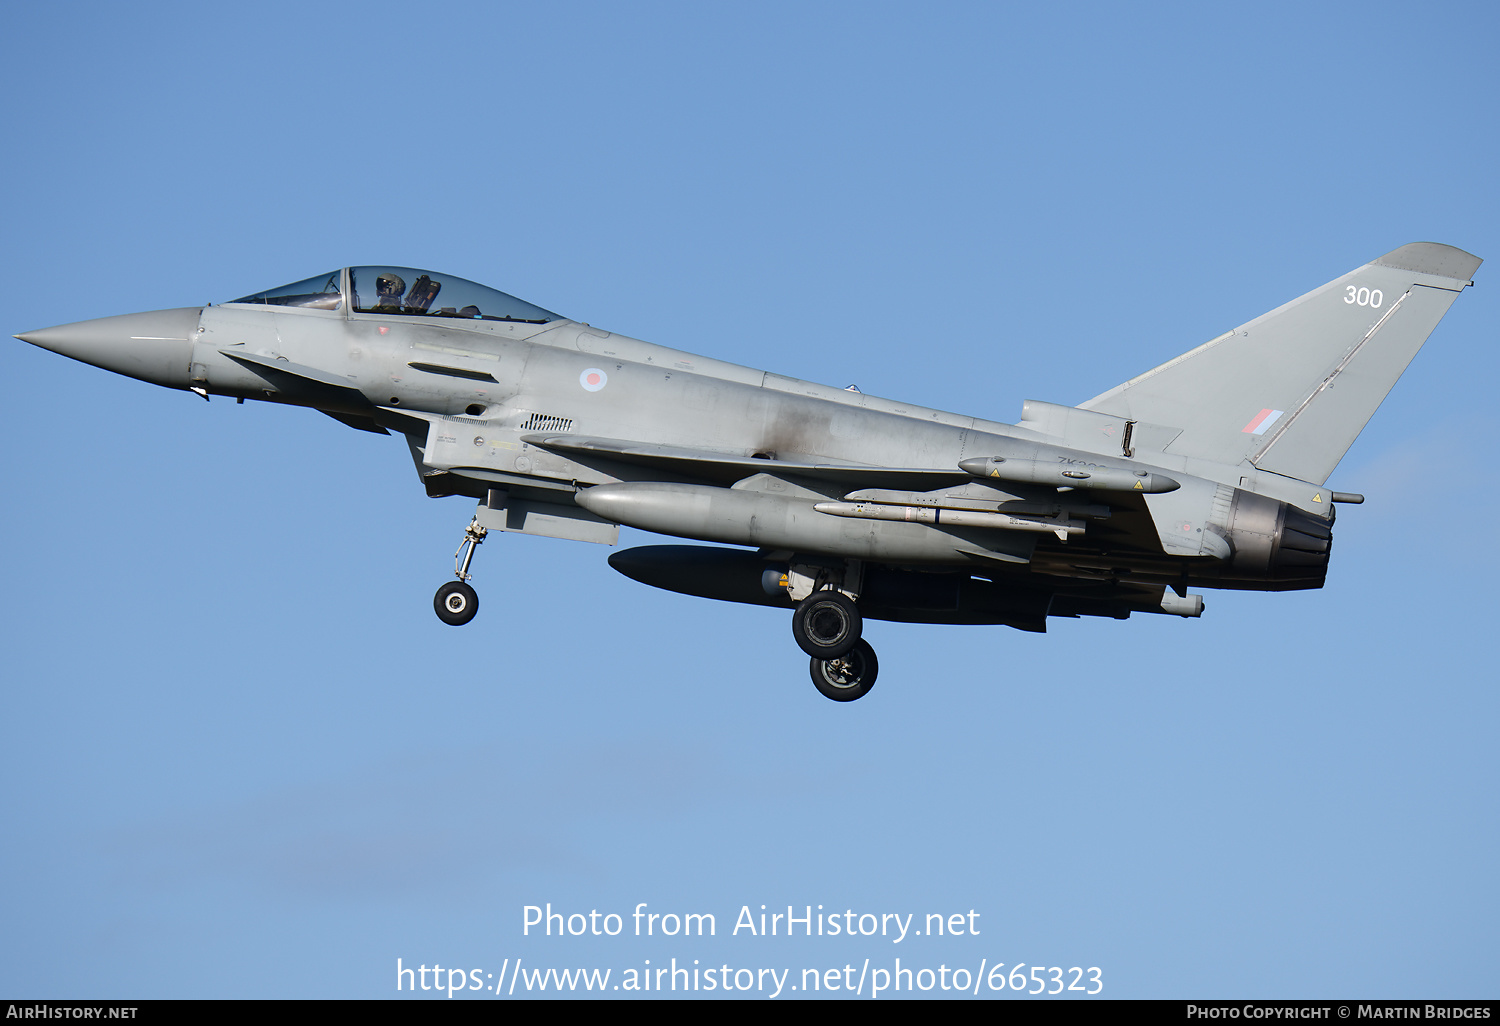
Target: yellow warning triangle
1138,487
1318,497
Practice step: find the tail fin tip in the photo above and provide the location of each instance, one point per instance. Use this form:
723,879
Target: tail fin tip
1433,258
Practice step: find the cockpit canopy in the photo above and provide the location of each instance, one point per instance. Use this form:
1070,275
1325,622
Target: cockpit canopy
404,291
320,292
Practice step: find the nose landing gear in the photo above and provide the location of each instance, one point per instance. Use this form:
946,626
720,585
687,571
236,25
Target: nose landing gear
456,602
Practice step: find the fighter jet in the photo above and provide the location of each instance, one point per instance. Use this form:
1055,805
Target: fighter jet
1209,471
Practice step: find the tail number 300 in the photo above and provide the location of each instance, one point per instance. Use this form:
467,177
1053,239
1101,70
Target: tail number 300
1364,297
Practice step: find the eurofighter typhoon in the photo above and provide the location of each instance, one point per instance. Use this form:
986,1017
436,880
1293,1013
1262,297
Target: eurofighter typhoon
1209,471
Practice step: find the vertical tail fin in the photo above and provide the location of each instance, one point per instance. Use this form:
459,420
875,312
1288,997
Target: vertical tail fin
1289,391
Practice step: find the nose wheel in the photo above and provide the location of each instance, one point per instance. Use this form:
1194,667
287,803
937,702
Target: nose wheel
456,602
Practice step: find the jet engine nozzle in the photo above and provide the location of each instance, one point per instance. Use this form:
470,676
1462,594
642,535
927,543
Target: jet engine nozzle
155,346
1275,541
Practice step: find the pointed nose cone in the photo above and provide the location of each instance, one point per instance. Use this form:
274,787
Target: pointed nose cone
155,347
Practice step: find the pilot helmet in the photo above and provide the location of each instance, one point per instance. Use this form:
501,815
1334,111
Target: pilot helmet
390,285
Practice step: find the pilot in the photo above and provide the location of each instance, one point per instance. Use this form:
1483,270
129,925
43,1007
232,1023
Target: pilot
389,288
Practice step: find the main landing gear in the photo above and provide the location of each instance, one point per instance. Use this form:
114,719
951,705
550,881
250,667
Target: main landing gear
849,676
456,602
827,626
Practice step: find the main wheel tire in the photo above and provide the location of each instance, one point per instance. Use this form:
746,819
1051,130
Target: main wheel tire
826,624
848,677
456,603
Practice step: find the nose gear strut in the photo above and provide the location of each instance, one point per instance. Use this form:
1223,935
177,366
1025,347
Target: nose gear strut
456,602
473,537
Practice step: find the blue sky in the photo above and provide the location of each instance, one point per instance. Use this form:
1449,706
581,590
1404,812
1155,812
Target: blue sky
240,757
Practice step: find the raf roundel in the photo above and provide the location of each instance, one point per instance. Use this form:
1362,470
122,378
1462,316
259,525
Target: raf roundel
593,379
